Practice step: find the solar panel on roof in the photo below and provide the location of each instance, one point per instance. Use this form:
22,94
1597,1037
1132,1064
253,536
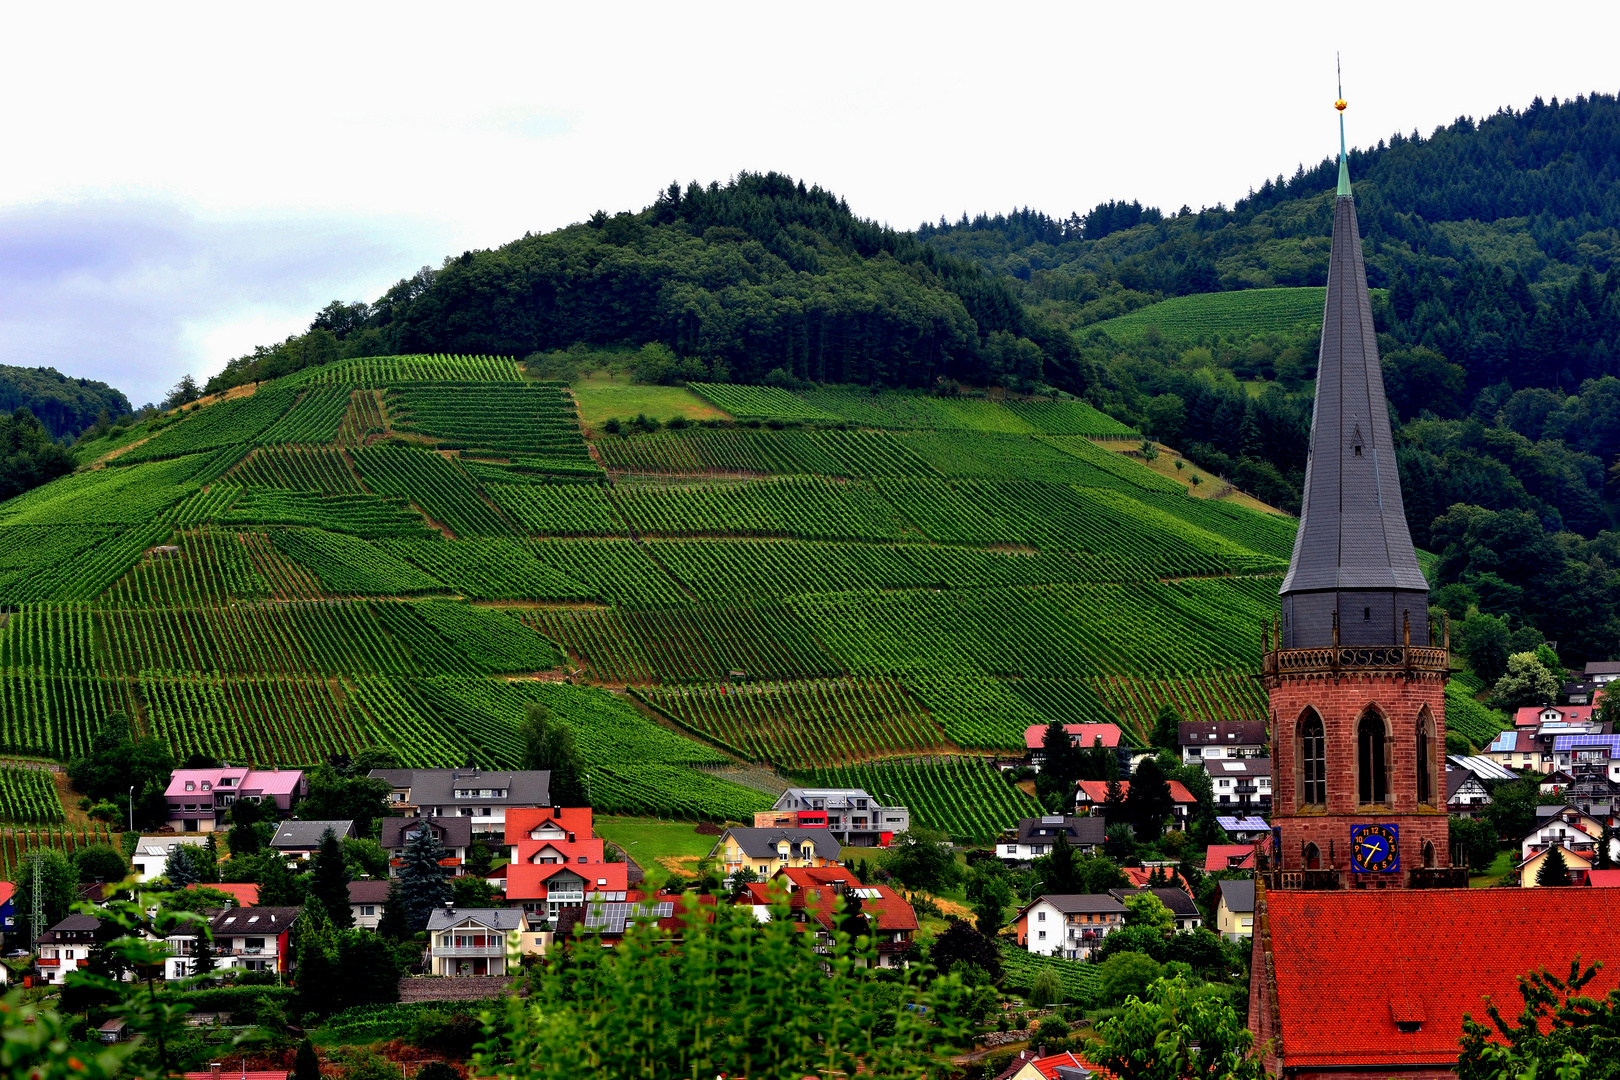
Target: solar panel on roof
868,894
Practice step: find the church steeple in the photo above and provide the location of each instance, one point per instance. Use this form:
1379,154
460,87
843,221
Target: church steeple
1354,577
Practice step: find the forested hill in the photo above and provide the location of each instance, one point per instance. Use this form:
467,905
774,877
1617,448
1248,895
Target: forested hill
760,274
1532,194
64,406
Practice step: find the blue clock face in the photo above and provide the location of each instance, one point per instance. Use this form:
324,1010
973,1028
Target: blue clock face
1375,848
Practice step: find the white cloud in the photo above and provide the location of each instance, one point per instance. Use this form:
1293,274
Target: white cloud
298,152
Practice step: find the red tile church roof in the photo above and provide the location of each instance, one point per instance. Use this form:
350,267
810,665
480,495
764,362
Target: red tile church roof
1350,964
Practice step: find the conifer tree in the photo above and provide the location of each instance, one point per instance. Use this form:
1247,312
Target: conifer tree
395,923
1554,872
422,880
329,881
205,951
307,1064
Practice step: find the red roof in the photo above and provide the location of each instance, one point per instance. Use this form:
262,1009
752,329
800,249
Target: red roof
527,881
1140,877
7,891
1097,790
1219,857
1048,1066
238,1074
1084,735
812,884
1603,879
245,893
1347,962
520,822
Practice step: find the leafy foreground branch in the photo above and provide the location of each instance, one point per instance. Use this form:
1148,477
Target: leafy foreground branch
735,997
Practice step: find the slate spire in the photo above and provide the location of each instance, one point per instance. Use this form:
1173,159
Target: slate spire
1353,561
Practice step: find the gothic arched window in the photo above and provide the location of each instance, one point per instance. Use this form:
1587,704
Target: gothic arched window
1425,758
1428,855
1313,857
1311,754
1372,761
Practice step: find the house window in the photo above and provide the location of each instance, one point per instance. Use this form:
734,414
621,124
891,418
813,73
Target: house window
1040,916
1041,936
367,910
1312,751
191,785
1372,759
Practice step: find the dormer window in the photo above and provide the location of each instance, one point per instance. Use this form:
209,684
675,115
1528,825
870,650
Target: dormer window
191,785
206,786
1358,450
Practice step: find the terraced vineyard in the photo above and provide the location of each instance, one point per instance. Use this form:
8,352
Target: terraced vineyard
883,589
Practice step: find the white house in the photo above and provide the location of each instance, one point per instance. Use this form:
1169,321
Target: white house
1568,828
1466,794
1071,926
367,900
1241,783
66,946
151,856
472,941
1033,838
1203,741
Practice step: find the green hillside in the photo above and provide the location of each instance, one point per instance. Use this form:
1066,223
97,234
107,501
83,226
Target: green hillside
405,551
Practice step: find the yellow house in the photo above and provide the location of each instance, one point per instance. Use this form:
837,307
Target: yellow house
765,851
1579,865
1234,909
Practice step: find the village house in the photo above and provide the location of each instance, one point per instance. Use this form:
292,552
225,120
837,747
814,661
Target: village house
1037,1065
66,946
1577,717
255,938
1245,830
454,833
1071,926
854,816
1081,736
1090,796
1578,865
302,839
1234,909
1203,741
200,799
812,893
1466,795
546,891
150,859
1179,903
547,835
1228,857
1033,838
1241,783
1585,757
472,941
480,795
367,900
1567,827
765,851
1520,749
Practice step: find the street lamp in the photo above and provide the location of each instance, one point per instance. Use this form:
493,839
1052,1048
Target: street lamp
132,808
587,788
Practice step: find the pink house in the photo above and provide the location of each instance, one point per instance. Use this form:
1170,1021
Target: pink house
1085,736
200,799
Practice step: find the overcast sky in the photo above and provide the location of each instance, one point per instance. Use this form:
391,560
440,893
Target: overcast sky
180,185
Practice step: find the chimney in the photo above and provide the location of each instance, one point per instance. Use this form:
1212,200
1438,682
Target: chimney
449,907
213,1070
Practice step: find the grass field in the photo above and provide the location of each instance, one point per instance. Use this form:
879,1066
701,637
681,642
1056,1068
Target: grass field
601,396
658,847
1230,315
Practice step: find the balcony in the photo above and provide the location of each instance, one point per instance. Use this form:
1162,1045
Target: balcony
468,950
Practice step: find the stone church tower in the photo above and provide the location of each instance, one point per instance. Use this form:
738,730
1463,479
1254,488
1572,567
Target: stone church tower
1356,686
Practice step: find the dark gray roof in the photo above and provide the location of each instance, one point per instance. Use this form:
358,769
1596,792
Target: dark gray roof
1238,767
306,835
1603,667
1455,779
75,924
494,918
453,831
1239,895
1353,552
1081,903
435,787
1221,733
1081,831
254,921
368,892
761,843
1180,904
